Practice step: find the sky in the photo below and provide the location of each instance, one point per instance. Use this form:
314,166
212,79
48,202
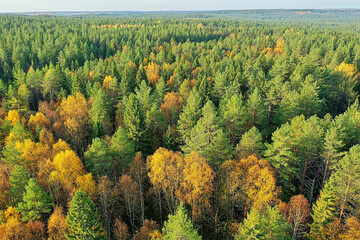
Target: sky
164,5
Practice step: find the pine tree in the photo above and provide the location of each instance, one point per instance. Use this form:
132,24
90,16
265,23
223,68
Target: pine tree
98,158
135,124
207,138
233,113
18,179
264,226
323,210
179,226
122,148
82,219
100,112
190,114
250,143
256,111
35,202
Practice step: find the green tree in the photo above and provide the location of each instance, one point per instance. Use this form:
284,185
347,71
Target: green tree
207,138
250,143
256,110
100,112
268,225
19,177
135,124
323,210
122,148
98,158
35,202
179,226
190,114
82,219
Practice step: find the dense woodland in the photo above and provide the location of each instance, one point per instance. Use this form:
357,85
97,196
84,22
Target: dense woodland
142,128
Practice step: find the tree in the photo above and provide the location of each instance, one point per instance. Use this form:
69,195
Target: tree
268,225
82,218
190,114
152,73
35,202
121,231
57,226
166,174
18,180
233,113
345,181
98,158
298,215
134,123
250,144
207,138
100,112
323,211
198,183
74,113
122,148
179,226
52,83
255,110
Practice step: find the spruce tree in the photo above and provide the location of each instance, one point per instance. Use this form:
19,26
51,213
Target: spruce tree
190,115
35,202
135,124
264,226
100,112
323,210
250,143
207,138
18,180
179,226
82,219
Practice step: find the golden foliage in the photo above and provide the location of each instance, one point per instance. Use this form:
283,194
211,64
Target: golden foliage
171,106
57,226
152,72
352,229
13,116
197,185
67,169
38,119
348,70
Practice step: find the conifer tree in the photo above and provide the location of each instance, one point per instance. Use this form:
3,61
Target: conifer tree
250,143
35,202
190,114
82,219
207,138
100,112
323,211
18,180
135,124
179,226
264,226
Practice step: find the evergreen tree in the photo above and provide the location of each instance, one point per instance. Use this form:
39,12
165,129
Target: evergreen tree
179,226
268,225
100,112
19,177
190,114
122,148
135,124
256,110
323,211
82,219
98,158
35,202
250,143
207,137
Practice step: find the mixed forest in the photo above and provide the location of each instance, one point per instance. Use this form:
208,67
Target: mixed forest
160,127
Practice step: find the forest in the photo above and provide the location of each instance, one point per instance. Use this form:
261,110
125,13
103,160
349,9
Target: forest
192,126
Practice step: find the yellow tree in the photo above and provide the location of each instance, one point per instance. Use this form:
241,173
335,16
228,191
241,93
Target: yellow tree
197,186
69,173
57,226
74,111
166,175
152,73
38,119
259,183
